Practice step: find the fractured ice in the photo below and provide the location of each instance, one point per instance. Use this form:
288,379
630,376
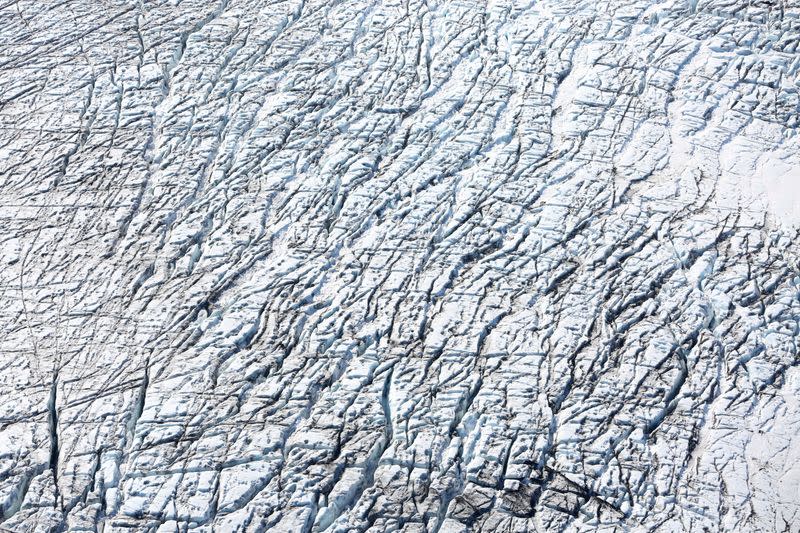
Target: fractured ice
423,266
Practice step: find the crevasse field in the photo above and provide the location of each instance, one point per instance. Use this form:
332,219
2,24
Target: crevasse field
423,266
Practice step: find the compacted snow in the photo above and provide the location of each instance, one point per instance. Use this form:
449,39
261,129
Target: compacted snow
424,266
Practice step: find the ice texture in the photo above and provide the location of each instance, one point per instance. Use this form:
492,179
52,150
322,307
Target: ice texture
424,266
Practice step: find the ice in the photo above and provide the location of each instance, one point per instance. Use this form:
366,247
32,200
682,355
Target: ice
428,266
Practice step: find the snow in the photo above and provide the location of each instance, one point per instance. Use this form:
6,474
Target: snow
427,266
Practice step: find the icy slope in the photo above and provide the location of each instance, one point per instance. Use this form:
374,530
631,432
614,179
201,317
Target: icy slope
375,266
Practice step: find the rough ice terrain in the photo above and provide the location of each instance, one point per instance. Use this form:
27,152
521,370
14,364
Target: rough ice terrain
427,266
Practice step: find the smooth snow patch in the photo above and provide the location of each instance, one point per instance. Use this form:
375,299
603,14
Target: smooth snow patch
780,176
754,180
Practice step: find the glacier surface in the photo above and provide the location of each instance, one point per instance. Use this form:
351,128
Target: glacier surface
424,266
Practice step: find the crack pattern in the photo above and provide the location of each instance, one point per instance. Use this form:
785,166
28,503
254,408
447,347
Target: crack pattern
428,266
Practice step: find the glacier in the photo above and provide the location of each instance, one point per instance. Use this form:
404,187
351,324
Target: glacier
421,266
